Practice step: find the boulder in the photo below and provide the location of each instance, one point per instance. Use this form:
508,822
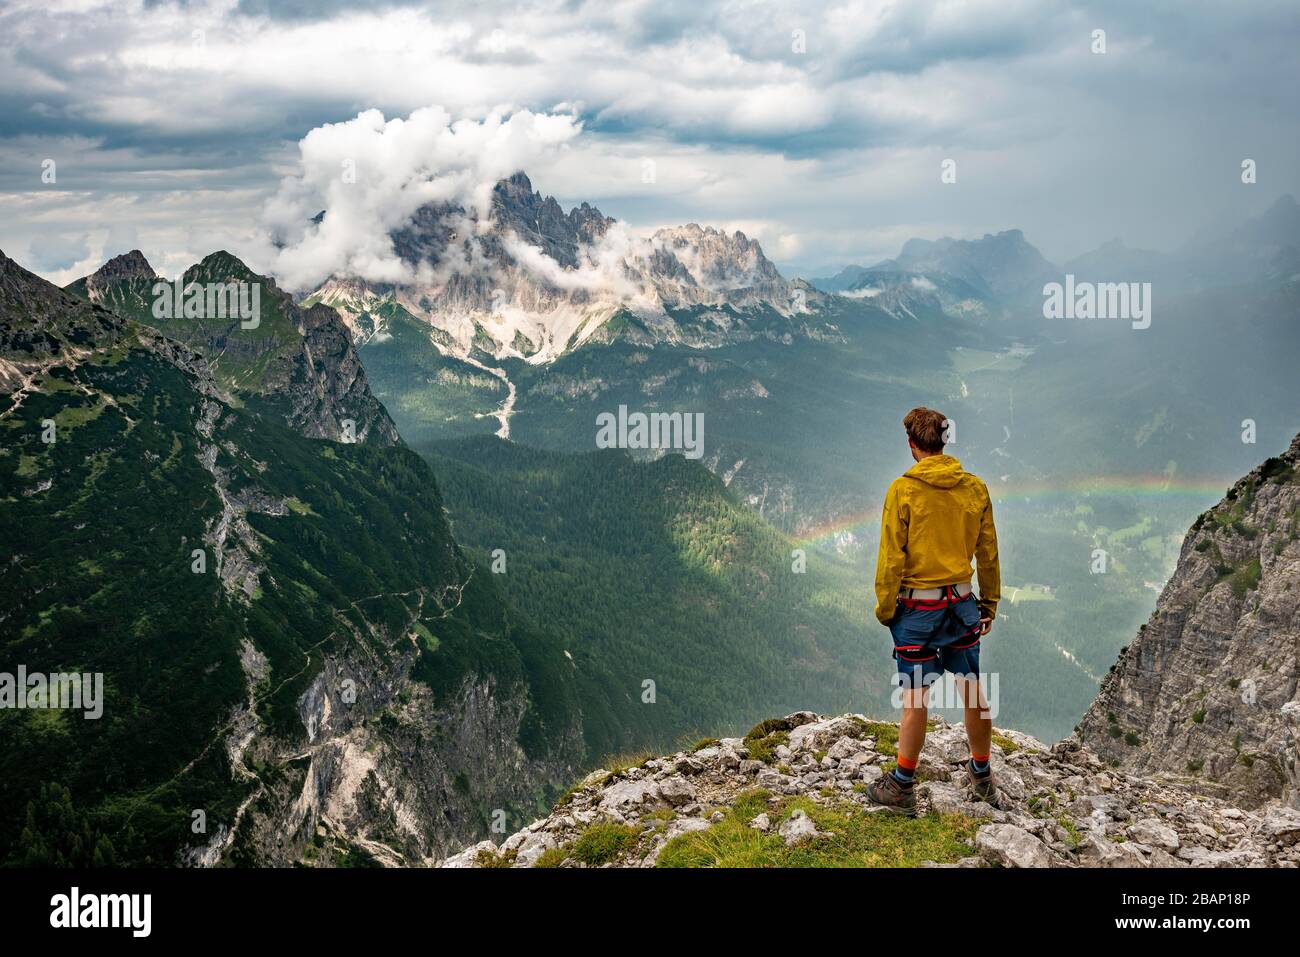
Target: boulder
947,745
686,825
532,848
728,759
631,796
676,790
820,735
845,747
689,766
797,828
1012,846
1156,833
774,780
1281,825
469,856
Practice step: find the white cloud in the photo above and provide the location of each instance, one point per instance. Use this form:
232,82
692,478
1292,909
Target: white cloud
370,175
834,149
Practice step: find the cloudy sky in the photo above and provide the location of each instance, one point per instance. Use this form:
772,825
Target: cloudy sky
819,128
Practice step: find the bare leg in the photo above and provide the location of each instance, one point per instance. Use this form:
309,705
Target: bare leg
979,727
911,731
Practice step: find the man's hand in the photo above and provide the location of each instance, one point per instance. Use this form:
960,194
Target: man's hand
985,625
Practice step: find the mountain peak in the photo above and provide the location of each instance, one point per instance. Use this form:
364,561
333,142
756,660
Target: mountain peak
519,180
223,261
129,265
223,266
1002,263
38,319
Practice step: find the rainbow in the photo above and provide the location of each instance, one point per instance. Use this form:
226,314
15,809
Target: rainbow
1145,486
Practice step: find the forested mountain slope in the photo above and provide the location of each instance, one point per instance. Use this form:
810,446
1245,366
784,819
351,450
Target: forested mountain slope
290,641
655,572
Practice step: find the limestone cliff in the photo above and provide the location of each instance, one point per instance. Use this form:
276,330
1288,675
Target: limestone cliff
1207,693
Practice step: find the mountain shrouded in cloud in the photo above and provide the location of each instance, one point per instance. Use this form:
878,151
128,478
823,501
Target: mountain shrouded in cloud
436,213
372,174
435,217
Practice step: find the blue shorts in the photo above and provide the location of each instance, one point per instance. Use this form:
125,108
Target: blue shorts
933,637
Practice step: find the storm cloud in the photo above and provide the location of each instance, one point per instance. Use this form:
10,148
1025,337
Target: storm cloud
820,128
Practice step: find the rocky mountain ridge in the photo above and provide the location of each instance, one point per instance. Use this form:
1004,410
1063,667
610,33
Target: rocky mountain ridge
1209,691
299,364
1187,756
536,282
792,792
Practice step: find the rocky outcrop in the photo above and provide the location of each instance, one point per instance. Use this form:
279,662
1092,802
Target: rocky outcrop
1207,695
1055,807
392,773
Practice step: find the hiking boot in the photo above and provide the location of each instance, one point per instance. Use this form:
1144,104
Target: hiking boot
982,787
889,794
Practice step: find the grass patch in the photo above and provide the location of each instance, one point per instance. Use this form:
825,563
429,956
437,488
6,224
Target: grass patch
1070,829
1245,578
765,737
1006,744
886,736
619,763
553,857
1241,579
859,839
486,858
603,842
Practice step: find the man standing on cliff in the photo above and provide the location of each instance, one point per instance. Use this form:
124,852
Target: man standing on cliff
937,517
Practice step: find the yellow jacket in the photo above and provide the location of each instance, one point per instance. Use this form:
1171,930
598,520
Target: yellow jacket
936,518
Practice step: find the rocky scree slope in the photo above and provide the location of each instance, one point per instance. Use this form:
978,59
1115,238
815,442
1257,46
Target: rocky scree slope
791,793
1208,694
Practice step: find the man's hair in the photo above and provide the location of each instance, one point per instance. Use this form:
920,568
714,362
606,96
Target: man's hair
925,427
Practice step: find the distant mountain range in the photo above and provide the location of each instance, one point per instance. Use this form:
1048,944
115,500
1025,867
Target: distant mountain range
1005,269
